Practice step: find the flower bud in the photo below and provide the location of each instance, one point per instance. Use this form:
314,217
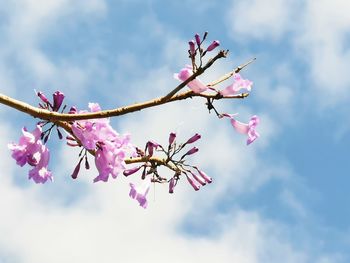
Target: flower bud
195,186
198,39
192,47
172,137
128,172
191,151
151,146
194,138
42,97
76,170
171,185
57,100
213,45
72,110
205,176
198,179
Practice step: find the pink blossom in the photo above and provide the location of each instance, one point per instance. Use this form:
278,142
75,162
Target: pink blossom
194,138
195,85
198,39
246,128
130,171
32,151
208,179
140,192
195,185
40,173
172,137
213,45
111,147
57,100
192,47
172,184
238,84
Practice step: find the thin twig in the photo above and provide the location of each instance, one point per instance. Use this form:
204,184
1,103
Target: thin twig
230,74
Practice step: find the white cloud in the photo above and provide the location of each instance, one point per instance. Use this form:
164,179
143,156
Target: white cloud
318,31
255,19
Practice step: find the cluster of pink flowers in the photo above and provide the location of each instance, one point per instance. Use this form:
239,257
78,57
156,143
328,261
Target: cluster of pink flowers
31,150
111,148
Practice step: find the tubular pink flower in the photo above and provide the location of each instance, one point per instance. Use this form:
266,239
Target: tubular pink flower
171,185
213,45
172,137
192,151
246,128
32,151
195,85
200,180
208,179
111,148
43,97
139,193
194,138
238,84
40,173
151,146
198,39
128,172
192,47
195,186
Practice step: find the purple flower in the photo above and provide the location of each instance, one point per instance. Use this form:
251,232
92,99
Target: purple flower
246,128
205,176
40,173
191,151
57,100
195,85
111,147
172,137
128,172
140,192
238,84
198,179
32,151
195,186
151,146
213,45
109,160
194,138
43,97
172,184
198,39
192,47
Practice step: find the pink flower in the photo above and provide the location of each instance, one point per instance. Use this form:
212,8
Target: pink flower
195,185
57,100
246,128
40,173
198,39
195,85
109,159
140,192
172,137
213,45
194,138
238,84
111,147
172,184
192,47
32,151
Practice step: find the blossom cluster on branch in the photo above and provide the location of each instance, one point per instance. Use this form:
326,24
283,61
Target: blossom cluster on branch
113,152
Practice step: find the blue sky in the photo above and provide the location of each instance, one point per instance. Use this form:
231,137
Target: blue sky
282,199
